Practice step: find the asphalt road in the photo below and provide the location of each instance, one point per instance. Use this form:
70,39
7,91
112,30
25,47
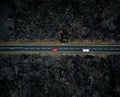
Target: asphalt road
61,48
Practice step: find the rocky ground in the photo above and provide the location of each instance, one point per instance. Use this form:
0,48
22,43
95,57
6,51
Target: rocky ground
59,76
42,19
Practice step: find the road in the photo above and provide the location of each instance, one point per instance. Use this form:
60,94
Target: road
62,48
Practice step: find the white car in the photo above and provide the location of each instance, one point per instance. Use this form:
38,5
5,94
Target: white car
86,50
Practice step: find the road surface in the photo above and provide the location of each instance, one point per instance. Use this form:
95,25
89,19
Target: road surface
61,48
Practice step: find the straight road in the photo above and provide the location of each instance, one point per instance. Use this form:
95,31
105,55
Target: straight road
61,48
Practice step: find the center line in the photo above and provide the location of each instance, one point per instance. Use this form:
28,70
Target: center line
117,49
43,48
111,48
100,48
60,48
105,49
26,48
37,48
94,48
12,48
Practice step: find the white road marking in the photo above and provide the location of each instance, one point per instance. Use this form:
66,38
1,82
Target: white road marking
77,48
37,48
105,48
48,48
12,48
71,48
94,48
117,49
111,48
65,48
43,48
60,48
100,48
26,48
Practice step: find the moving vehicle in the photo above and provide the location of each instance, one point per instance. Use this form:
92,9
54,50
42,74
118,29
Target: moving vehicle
54,49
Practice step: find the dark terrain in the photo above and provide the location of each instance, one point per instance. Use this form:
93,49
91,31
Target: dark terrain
59,76
42,19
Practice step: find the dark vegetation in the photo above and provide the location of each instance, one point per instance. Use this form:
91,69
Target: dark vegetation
63,35
42,19
59,76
